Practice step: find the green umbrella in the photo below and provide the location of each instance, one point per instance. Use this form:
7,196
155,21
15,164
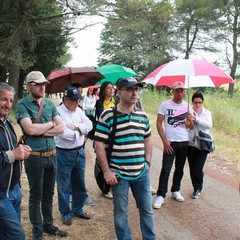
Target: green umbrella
112,72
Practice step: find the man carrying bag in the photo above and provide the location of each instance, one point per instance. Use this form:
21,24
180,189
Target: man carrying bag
130,159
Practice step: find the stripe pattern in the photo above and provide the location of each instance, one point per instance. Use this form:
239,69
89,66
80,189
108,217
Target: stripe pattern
128,155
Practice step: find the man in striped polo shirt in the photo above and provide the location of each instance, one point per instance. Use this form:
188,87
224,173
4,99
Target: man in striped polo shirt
130,159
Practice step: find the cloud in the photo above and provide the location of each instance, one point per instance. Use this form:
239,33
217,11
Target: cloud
85,52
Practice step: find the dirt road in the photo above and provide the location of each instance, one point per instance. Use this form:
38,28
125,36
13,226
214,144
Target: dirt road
214,215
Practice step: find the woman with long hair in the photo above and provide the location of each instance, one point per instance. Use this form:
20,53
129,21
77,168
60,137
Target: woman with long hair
106,98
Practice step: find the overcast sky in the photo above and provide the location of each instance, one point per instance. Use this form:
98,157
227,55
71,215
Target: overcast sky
87,41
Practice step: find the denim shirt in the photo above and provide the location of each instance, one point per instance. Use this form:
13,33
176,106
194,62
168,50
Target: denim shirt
29,108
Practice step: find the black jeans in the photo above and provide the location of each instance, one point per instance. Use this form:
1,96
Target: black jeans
41,173
179,154
196,160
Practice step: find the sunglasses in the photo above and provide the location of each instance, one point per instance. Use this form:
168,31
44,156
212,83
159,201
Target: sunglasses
38,84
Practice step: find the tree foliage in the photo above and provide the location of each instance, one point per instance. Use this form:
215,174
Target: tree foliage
33,35
137,35
145,34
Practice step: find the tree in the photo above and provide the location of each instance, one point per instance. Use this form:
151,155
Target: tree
137,35
194,21
25,27
231,28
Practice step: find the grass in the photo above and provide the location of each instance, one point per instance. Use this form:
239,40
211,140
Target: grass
225,113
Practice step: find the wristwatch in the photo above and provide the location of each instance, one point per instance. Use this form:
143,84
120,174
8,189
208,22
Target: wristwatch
148,163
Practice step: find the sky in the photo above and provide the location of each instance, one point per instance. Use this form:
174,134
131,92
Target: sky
85,52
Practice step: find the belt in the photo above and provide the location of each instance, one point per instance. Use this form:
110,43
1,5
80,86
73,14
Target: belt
70,149
43,154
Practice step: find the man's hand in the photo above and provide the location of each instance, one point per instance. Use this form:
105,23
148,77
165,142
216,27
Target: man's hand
22,152
110,177
72,127
167,147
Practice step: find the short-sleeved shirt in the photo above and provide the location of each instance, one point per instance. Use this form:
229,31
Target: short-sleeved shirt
175,115
128,154
29,108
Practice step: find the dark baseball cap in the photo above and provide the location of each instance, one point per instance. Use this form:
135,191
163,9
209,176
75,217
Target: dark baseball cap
72,93
127,82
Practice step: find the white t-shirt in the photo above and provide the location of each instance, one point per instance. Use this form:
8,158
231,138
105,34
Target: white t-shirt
174,120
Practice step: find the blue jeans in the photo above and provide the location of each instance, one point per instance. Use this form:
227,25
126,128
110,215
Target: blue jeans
71,177
143,197
41,173
10,217
179,154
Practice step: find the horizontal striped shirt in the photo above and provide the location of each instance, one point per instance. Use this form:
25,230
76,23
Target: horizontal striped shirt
128,155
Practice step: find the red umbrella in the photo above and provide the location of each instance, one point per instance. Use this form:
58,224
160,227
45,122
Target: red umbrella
86,76
194,73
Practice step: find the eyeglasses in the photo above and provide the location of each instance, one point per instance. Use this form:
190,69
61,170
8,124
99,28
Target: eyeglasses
130,89
38,84
195,102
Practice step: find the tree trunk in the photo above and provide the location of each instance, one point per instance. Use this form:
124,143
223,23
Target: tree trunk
14,72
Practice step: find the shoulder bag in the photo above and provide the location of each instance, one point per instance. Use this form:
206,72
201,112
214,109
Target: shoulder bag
203,141
98,172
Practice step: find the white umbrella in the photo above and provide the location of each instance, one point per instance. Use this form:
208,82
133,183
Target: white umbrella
194,73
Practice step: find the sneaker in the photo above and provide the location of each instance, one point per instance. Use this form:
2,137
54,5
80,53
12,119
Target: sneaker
108,195
177,196
52,230
159,202
153,190
89,201
196,194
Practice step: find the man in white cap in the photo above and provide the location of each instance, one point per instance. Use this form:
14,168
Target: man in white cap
173,113
40,166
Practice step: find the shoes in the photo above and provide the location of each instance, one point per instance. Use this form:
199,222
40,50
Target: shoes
89,201
153,190
196,194
52,230
84,216
37,236
177,196
108,195
159,202
67,221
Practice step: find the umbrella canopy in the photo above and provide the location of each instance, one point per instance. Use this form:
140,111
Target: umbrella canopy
112,72
194,73
86,76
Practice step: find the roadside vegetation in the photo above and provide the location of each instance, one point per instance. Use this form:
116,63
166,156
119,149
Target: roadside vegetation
225,113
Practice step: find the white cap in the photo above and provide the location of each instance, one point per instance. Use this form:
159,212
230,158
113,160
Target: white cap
37,77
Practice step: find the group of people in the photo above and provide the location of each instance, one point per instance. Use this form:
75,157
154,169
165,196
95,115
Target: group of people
54,151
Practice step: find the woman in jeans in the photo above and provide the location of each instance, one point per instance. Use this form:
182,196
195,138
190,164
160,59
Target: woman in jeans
201,119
